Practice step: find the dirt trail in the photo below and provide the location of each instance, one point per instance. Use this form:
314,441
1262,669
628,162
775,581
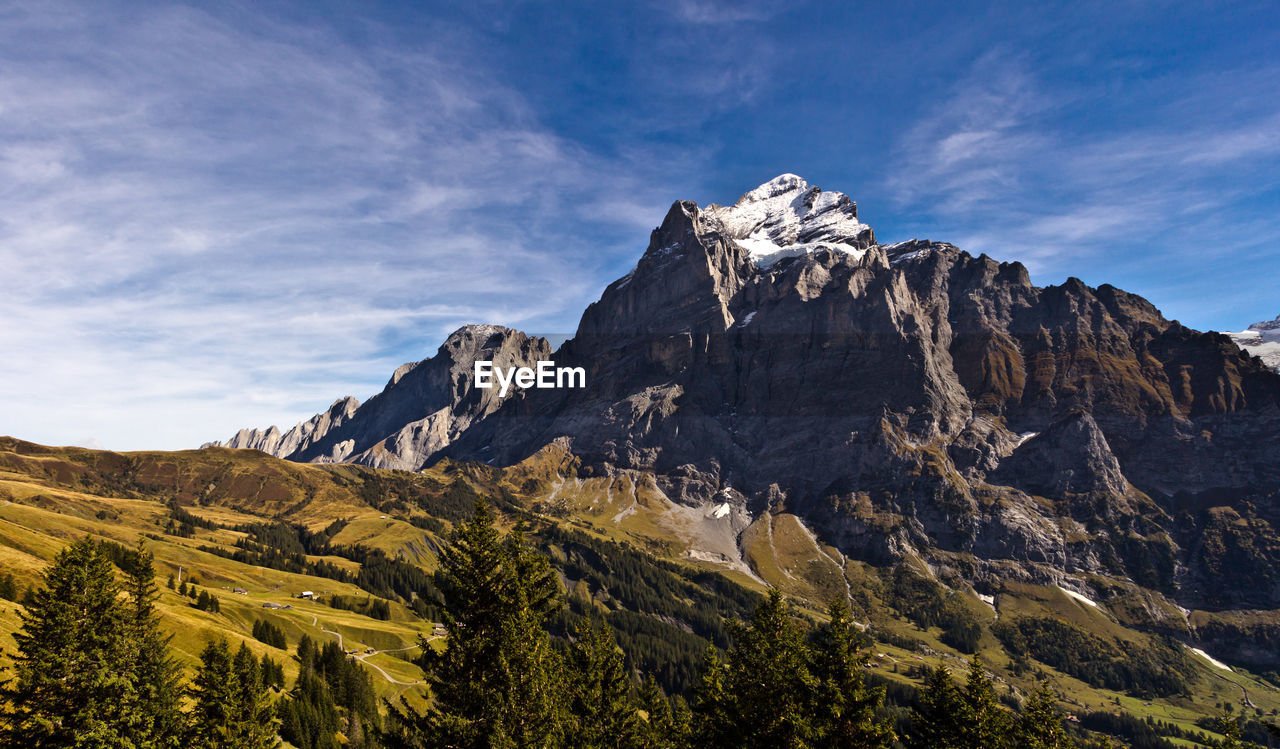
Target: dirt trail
315,622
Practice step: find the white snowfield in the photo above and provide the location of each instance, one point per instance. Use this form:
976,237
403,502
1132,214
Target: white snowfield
1216,663
1082,599
785,217
1262,340
721,511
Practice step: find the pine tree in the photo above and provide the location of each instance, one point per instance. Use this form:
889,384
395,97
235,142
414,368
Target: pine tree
309,718
1040,724
497,684
936,718
712,708
272,673
73,681
848,711
987,726
668,722
602,709
157,676
770,681
230,710
213,692
253,704
764,693
8,588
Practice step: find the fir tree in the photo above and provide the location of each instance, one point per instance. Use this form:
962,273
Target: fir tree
936,718
769,687
602,709
308,717
848,711
230,710
253,705
74,686
157,676
712,707
668,722
496,683
8,588
986,725
1040,724
272,673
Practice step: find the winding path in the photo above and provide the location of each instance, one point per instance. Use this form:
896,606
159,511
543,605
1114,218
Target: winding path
315,622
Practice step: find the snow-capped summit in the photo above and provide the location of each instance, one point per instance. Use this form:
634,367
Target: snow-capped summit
786,217
1262,339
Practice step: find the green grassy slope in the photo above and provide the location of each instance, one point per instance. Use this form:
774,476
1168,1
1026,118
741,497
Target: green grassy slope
623,550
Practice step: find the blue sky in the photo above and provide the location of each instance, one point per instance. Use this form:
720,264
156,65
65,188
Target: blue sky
225,215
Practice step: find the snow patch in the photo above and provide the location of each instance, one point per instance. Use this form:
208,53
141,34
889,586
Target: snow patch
786,217
1022,438
1261,341
747,320
721,511
1216,663
1082,599
989,600
906,257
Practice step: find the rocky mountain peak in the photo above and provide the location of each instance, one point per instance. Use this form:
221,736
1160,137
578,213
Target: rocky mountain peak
1267,326
787,217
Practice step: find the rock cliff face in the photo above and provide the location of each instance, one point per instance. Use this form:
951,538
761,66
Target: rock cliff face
424,406
907,398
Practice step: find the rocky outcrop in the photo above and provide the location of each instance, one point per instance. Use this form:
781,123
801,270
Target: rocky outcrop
283,444
423,408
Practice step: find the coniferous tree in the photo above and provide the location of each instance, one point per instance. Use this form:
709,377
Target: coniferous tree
253,705
768,692
230,710
603,713
949,717
8,588
272,673
213,692
1040,724
936,718
157,676
309,719
74,686
669,722
987,726
496,683
712,708
848,711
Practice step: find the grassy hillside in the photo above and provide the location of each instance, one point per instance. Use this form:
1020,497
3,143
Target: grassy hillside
662,574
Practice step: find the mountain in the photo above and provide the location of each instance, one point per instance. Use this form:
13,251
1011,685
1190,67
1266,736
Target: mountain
770,362
1262,339
424,406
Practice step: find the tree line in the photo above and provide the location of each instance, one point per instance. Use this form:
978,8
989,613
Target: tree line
503,681
93,669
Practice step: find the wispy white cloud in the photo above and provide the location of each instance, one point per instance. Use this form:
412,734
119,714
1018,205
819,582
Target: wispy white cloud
1023,168
718,12
206,224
